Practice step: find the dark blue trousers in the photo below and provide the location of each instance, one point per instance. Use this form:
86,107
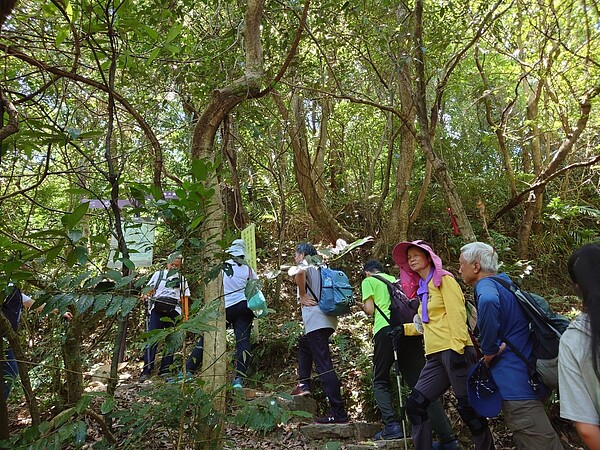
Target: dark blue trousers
313,347
240,317
10,371
154,323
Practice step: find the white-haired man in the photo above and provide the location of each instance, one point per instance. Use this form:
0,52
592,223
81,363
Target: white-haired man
500,319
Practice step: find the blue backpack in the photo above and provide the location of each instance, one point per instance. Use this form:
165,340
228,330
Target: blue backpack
546,328
336,297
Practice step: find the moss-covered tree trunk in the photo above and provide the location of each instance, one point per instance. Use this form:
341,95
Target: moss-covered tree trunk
71,350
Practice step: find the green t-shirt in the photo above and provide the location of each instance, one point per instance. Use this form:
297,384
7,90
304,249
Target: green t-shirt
372,287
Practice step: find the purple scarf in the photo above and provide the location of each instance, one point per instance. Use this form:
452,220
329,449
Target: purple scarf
423,292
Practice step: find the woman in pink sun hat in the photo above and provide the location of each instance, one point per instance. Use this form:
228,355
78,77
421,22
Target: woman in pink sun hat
448,347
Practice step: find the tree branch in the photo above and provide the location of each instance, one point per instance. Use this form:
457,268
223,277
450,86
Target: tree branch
36,184
291,52
149,133
13,119
519,198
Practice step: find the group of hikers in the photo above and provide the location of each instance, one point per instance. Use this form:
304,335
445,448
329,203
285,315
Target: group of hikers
436,351
433,353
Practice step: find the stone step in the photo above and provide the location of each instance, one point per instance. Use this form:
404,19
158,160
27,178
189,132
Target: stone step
356,431
394,444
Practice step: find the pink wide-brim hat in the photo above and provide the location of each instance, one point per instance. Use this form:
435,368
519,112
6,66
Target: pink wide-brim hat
410,279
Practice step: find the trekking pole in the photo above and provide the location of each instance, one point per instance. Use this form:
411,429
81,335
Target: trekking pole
147,320
399,380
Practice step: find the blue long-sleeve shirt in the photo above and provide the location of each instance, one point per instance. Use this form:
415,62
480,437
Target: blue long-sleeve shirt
500,314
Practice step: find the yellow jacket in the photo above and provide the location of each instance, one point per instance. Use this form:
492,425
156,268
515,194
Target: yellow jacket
447,326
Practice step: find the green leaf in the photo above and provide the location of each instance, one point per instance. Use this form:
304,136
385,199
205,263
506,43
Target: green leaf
80,433
196,222
101,301
69,10
83,403
128,263
151,32
114,274
90,134
72,219
81,255
174,32
108,405
61,36
52,253
199,169
71,258
75,235
127,305
84,302
114,306
153,55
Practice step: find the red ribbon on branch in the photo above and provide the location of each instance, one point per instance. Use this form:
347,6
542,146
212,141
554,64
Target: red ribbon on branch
453,220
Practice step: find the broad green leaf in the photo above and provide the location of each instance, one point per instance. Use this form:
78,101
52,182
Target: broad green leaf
128,263
84,302
114,274
61,36
128,304
200,169
101,302
108,405
174,32
90,135
72,219
80,433
151,32
196,222
153,55
69,9
71,258
75,235
81,254
114,306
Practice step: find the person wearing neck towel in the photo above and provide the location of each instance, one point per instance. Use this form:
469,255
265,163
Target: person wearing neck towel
237,313
448,348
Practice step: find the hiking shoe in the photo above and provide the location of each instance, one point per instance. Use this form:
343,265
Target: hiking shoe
237,383
329,418
390,431
300,390
450,445
144,376
179,377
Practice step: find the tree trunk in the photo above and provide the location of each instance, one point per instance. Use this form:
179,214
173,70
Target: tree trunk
233,196
534,203
221,103
427,126
321,150
499,128
302,169
400,217
13,340
71,352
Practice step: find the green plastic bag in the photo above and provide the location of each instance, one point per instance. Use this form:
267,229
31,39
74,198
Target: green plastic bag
256,300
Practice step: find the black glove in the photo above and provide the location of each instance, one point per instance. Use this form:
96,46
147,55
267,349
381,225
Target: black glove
397,332
457,360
